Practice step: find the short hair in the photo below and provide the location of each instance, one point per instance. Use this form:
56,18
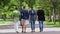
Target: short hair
31,7
16,8
23,7
40,7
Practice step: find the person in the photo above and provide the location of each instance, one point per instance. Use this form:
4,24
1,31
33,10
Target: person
41,17
24,18
32,19
16,19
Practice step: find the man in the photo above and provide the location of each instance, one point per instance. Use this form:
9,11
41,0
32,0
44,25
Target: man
41,18
24,17
16,19
32,18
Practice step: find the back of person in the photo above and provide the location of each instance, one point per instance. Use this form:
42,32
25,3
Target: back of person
41,18
32,14
24,14
16,15
24,17
16,19
41,15
32,18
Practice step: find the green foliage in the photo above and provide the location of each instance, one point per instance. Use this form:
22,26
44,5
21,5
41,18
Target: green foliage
30,2
7,6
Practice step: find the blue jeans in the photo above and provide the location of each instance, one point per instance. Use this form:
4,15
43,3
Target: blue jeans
32,24
41,25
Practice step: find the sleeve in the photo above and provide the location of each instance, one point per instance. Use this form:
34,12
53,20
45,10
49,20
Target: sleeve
21,13
43,12
29,12
37,12
43,15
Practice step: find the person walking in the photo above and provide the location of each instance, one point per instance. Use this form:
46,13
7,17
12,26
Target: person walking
32,18
24,18
41,17
16,19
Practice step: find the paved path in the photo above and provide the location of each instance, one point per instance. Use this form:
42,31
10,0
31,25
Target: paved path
11,26
9,29
28,26
52,32
29,30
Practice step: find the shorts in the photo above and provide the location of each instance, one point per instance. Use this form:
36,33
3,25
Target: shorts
24,21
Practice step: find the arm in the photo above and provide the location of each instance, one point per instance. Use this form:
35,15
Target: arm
37,13
43,15
29,16
43,12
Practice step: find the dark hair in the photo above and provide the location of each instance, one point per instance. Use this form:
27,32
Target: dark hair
40,7
16,8
31,6
23,7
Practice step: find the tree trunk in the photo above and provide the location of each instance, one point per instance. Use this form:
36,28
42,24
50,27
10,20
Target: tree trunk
54,16
49,15
59,16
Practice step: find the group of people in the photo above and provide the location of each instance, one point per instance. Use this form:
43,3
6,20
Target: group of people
31,16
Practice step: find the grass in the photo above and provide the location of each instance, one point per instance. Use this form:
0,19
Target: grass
5,22
52,24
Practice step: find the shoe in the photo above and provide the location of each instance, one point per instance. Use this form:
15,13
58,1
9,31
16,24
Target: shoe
32,31
17,32
20,24
23,32
41,30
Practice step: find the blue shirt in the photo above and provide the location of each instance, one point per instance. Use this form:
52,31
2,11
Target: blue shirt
32,14
24,14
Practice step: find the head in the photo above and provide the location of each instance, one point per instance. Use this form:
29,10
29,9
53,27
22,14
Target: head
31,8
40,7
23,7
16,8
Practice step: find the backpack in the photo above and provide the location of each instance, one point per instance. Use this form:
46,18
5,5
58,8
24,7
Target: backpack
32,12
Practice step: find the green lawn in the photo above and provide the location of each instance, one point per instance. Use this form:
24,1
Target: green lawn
5,22
52,24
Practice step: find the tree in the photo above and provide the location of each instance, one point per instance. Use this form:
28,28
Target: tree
4,6
30,2
54,3
58,7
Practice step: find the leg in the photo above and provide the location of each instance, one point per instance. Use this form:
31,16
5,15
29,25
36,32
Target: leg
32,25
41,26
21,22
23,27
16,27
